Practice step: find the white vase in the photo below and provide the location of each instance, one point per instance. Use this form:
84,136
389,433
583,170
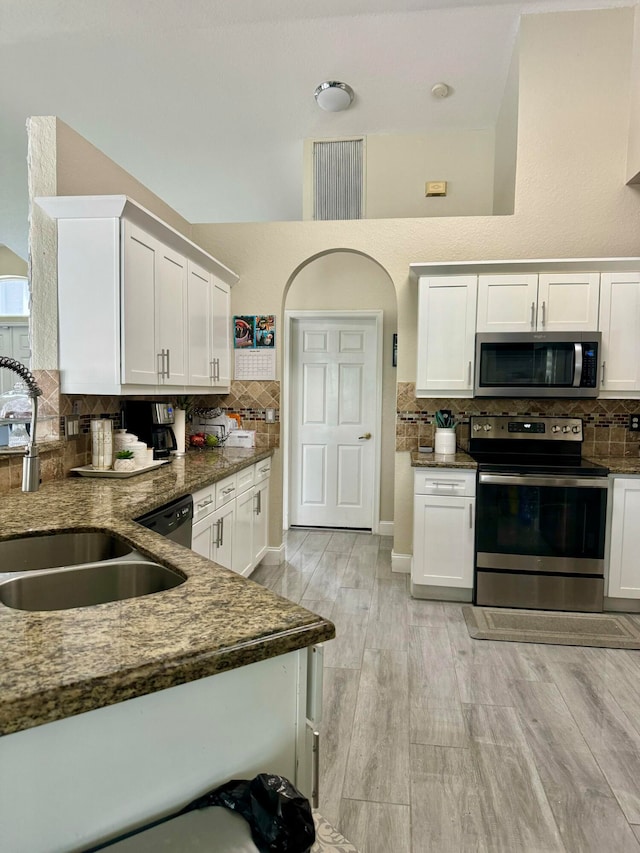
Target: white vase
445,443
179,430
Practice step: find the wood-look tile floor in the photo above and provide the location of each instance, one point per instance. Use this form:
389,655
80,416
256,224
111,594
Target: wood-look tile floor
436,743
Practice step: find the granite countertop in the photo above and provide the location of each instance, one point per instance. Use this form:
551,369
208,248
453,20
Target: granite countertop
618,464
54,664
437,460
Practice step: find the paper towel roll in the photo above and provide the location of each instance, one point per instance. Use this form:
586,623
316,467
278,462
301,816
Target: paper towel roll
179,427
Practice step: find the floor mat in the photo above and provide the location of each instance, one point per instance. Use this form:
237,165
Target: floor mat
602,630
328,839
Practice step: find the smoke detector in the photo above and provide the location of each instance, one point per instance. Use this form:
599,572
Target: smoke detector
440,90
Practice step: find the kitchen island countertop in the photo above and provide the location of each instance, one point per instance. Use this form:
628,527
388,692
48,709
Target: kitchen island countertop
55,664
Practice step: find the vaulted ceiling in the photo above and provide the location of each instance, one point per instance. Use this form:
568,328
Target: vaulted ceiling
207,102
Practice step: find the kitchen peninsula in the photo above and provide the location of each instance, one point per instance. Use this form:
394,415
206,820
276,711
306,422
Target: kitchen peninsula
114,713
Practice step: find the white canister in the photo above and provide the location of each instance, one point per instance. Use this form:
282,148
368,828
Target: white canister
139,449
445,442
118,439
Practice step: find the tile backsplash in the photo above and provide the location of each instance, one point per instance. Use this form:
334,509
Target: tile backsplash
606,422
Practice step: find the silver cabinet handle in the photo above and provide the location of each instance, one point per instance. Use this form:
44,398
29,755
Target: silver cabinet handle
604,365
161,371
258,506
168,366
544,306
212,371
221,533
202,504
469,375
470,517
315,773
217,361
533,314
228,490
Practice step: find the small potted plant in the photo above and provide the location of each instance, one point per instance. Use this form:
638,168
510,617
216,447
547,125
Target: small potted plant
124,461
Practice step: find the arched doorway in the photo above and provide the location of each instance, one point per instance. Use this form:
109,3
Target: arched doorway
330,288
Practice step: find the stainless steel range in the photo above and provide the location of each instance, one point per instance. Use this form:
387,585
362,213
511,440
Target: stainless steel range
540,515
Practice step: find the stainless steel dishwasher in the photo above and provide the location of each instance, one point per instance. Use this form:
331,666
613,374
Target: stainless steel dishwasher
172,520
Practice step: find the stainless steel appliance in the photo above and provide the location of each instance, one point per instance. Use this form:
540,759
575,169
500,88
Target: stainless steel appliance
537,364
152,423
172,520
540,515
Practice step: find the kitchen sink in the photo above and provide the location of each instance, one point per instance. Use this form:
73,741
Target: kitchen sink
53,550
82,586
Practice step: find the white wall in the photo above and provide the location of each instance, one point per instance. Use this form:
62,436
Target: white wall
506,143
10,263
633,154
399,165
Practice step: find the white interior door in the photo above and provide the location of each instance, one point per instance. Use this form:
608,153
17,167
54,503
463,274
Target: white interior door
334,415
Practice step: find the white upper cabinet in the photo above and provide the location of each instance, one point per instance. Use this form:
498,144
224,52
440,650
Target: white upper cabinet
507,303
620,327
530,302
446,335
154,299
138,304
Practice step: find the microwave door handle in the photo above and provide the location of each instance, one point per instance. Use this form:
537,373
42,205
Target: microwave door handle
577,370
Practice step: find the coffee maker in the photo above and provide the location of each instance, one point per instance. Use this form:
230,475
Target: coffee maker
151,422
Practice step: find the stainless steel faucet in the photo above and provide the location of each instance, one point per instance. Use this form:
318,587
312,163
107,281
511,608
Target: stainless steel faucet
31,460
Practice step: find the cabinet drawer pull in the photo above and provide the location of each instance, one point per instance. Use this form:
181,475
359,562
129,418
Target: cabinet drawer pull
202,504
228,490
449,485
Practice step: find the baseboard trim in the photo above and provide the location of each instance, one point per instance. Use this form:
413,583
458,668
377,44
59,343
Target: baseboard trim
385,528
622,605
440,593
401,563
274,556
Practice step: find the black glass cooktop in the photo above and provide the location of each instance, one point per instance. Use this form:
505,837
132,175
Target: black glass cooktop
570,466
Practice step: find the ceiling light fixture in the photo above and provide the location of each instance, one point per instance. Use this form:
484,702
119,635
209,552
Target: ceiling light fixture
440,90
333,96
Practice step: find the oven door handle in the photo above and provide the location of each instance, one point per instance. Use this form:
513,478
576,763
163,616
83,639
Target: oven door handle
543,480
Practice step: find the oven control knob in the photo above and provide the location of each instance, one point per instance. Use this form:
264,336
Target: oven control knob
486,427
565,429
477,427
555,428
575,429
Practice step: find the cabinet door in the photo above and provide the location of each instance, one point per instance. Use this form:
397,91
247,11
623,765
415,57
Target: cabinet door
221,331
260,521
222,537
201,537
243,533
507,303
624,568
619,324
199,312
140,361
171,315
443,541
446,335
568,302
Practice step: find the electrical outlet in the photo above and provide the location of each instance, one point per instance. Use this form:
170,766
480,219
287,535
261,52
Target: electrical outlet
634,423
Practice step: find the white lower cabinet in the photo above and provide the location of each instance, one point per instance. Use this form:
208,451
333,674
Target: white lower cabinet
78,782
230,519
624,540
443,533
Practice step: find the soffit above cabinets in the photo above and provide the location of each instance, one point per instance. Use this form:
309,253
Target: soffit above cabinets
531,265
121,206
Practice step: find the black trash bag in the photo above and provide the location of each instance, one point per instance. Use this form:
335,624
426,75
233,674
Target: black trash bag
278,814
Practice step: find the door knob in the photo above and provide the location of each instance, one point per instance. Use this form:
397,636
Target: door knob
366,436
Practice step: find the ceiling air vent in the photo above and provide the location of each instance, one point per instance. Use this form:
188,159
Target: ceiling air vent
338,179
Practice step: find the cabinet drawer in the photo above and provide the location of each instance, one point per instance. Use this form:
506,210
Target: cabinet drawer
204,502
225,490
445,481
245,478
262,470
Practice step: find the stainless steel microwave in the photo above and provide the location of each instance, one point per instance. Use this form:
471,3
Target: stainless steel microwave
537,364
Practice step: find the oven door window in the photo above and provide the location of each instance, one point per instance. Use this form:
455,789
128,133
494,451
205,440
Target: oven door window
528,364
541,521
